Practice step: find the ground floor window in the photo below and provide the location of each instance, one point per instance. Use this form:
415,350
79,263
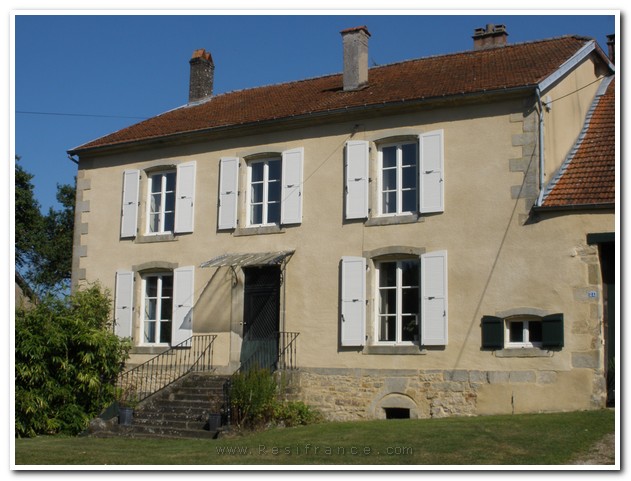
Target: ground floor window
158,308
398,301
523,332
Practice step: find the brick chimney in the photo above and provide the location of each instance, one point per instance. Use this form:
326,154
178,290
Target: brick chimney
489,37
611,45
202,76
355,41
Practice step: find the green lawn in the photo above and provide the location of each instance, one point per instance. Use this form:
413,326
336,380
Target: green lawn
529,439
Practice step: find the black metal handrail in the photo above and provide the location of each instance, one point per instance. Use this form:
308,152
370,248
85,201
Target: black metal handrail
192,355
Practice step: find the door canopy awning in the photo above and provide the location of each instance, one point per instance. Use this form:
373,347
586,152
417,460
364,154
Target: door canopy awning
249,259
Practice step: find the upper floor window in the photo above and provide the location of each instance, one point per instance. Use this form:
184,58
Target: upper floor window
264,199
170,195
161,203
398,178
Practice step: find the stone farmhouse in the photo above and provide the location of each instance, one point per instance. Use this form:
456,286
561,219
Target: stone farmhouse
427,238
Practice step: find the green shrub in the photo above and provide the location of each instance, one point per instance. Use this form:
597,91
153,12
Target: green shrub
67,359
295,413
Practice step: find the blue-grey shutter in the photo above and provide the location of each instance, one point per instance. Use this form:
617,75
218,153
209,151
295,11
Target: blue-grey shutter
431,172
434,298
124,304
228,192
183,290
129,211
291,197
185,198
492,332
357,155
353,300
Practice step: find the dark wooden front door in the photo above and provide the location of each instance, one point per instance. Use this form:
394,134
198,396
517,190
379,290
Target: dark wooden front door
261,316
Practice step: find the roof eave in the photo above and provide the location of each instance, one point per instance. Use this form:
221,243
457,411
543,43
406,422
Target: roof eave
574,207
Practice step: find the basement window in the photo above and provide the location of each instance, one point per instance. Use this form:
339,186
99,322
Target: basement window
397,413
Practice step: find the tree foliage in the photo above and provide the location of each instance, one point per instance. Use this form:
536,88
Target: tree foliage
66,361
43,243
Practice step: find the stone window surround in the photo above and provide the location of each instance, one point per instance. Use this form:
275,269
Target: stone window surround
510,352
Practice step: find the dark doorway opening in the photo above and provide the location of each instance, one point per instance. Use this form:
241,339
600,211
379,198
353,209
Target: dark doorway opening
397,413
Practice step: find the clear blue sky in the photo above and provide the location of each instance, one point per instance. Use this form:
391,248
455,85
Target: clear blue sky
84,76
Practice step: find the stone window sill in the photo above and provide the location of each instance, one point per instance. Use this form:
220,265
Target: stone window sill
394,220
148,349
523,352
394,350
244,231
146,239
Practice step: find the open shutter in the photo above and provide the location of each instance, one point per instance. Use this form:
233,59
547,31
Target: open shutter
434,298
185,197
492,332
552,331
129,211
228,192
431,172
291,204
182,326
353,299
357,152
124,304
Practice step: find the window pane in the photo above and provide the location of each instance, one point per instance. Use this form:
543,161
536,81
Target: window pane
409,201
257,214
389,202
151,308
516,331
387,328
165,332
408,152
389,157
409,273
388,301
156,202
257,193
387,274
409,328
167,286
274,170
150,332
156,183
170,181
151,286
169,202
408,177
166,309
257,171
273,192
534,331
273,213
389,179
410,300
169,220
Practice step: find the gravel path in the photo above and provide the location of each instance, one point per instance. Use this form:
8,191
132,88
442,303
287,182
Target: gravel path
602,452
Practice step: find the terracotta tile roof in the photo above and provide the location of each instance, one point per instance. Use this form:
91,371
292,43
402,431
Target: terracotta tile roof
507,67
588,175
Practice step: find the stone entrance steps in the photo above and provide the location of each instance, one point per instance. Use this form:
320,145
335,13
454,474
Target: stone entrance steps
178,411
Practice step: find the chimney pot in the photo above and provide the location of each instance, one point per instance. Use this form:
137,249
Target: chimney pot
489,37
611,45
202,76
355,42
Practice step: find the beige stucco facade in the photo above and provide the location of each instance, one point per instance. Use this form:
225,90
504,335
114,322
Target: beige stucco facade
500,261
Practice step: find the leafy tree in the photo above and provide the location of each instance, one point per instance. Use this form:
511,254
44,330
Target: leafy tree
66,361
28,218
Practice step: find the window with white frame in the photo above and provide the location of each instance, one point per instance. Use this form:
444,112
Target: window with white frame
523,332
264,194
398,301
158,308
161,203
398,176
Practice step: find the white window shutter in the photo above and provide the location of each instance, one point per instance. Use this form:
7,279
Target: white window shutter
129,211
185,197
183,290
431,172
357,152
124,304
434,299
353,299
291,203
228,192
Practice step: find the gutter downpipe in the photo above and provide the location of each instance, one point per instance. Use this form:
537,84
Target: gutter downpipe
541,151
